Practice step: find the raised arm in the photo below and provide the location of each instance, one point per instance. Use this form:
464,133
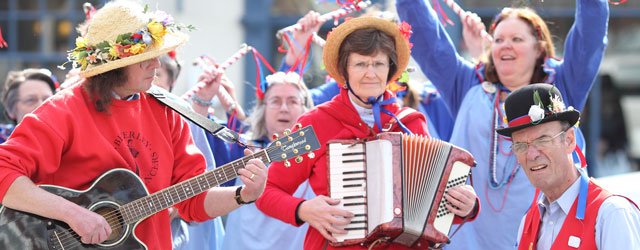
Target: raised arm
583,51
310,24
436,54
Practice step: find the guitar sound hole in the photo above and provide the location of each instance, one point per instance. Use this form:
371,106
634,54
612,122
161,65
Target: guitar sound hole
114,218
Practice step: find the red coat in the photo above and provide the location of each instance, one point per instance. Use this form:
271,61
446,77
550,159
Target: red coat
336,119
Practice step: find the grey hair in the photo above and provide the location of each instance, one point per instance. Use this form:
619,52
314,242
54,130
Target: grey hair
15,80
257,117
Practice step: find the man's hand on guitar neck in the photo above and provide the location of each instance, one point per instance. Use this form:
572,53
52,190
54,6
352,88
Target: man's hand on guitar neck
221,200
254,176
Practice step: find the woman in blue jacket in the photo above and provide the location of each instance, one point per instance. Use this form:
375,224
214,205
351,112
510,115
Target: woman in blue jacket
521,53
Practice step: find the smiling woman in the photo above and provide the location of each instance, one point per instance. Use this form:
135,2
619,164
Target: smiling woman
520,54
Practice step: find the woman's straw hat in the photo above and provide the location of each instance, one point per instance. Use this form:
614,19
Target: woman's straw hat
331,49
123,33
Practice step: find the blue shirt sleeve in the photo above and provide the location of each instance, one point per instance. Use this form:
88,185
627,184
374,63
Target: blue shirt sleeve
583,51
436,55
439,119
618,224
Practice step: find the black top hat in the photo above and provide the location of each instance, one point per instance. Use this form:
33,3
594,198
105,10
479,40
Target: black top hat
536,104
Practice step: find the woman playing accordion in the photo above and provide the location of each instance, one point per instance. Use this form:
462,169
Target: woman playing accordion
363,55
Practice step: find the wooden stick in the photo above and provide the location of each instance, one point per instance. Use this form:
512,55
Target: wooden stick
325,17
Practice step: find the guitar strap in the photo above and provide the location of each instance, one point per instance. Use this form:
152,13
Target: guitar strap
205,123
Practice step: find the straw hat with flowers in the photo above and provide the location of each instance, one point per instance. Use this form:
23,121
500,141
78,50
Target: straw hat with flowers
123,33
400,34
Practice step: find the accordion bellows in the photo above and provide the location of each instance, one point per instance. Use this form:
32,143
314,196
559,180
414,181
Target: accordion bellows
395,186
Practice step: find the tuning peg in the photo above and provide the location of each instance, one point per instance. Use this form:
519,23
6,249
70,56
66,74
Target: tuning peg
287,164
286,132
307,147
295,151
298,159
284,156
278,143
301,133
274,136
298,126
311,155
289,138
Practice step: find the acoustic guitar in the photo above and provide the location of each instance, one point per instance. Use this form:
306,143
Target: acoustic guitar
120,196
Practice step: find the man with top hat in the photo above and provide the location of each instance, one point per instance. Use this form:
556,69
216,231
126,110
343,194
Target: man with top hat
573,211
109,124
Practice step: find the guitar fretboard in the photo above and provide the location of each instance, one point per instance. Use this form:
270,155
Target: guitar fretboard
163,199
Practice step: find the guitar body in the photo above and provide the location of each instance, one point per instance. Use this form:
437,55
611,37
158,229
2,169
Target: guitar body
120,196
20,230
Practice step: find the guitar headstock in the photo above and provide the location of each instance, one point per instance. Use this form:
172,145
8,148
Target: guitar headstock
294,144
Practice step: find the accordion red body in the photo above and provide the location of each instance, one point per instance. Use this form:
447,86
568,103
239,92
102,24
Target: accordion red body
394,185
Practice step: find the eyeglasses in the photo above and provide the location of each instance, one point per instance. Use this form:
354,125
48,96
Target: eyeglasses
363,66
290,102
540,143
33,100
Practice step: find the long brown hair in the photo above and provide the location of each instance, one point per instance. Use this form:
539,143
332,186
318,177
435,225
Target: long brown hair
367,42
538,29
100,87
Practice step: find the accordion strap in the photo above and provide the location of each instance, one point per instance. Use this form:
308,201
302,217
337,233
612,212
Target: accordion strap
402,113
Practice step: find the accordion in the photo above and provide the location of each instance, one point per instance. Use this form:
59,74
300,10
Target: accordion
394,186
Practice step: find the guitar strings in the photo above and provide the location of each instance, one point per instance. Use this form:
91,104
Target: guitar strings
113,217
71,239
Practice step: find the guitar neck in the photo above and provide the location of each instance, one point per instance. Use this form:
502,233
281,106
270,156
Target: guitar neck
165,198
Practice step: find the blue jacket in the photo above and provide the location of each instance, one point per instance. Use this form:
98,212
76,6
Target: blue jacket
459,81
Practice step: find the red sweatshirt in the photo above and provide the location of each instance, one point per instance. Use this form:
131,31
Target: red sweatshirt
66,142
336,119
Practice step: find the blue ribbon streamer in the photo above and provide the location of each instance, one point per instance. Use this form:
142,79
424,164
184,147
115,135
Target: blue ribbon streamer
582,196
377,108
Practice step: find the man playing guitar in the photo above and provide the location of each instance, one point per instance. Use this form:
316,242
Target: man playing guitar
108,122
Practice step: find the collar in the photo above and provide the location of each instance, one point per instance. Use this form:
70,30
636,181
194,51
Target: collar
361,110
135,96
364,113
565,201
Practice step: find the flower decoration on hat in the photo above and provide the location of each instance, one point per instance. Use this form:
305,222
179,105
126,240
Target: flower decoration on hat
535,104
536,111
405,30
125,45
400,86
556,104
